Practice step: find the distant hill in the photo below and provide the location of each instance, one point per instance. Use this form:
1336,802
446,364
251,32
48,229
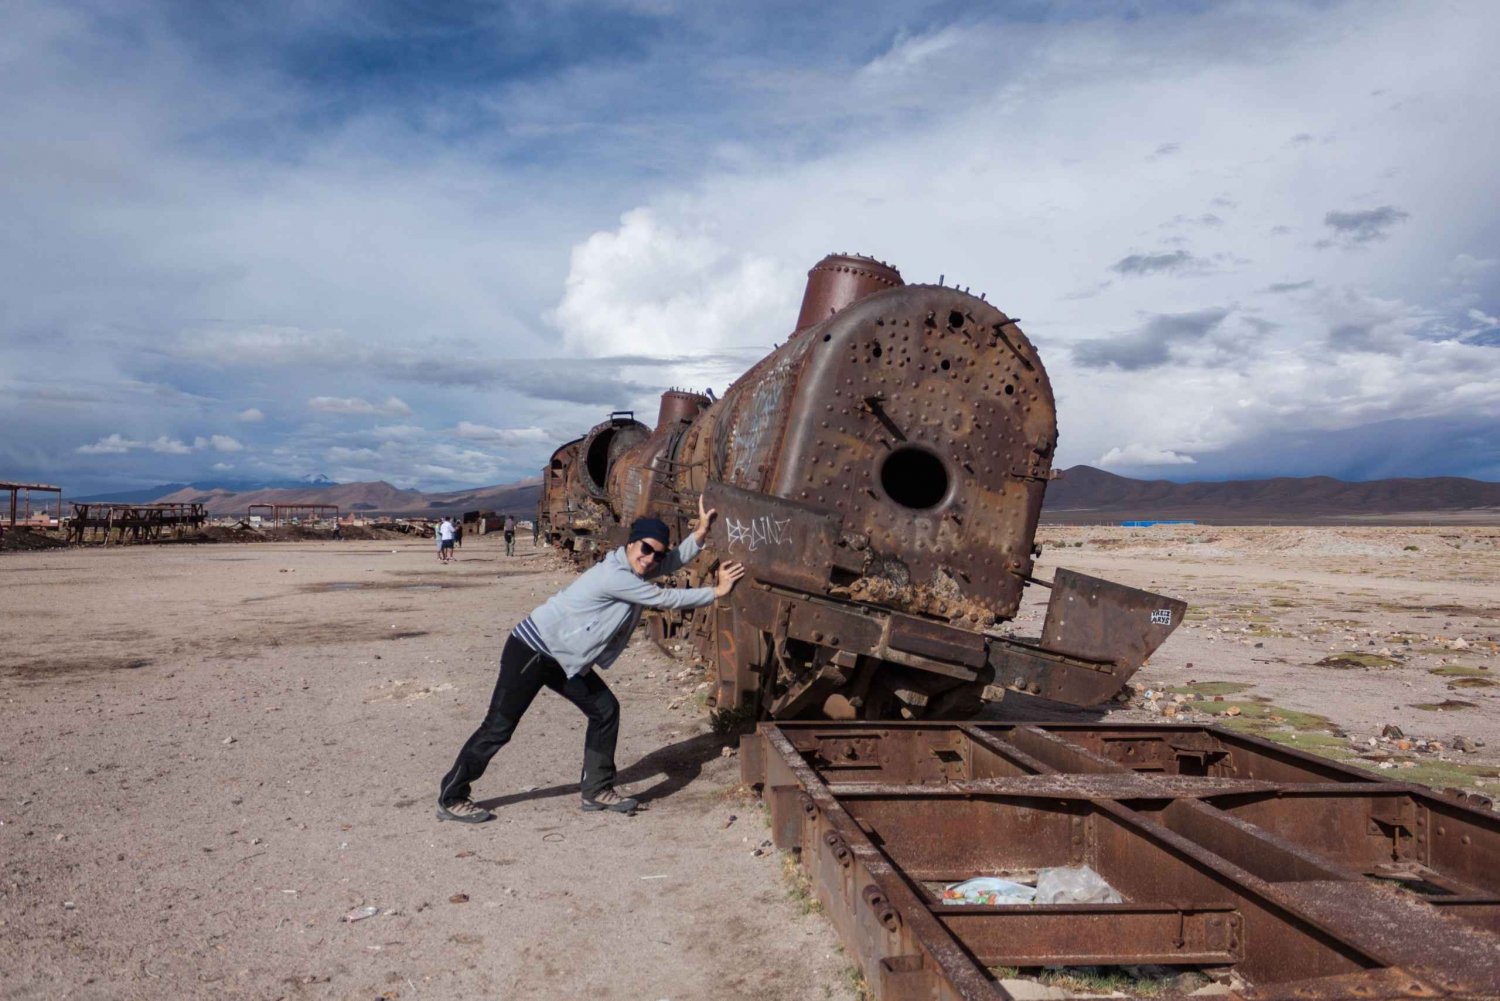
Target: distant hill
1086,494
374,498
146,495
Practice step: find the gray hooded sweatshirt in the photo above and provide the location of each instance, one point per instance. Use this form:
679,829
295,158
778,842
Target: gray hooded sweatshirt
589,622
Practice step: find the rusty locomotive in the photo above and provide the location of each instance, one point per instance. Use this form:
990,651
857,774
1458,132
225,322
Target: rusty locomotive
880,475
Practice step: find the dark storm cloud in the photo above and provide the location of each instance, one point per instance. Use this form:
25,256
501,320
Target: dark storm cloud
1426,446
1152,344
1151,264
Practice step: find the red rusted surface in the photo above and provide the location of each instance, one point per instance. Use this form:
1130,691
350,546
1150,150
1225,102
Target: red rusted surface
840,279
1303,878
881,475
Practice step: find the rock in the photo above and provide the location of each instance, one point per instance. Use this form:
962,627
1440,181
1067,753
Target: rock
1460,644
727,752
1232,711
1466,744
1392,731
1403,745
459,898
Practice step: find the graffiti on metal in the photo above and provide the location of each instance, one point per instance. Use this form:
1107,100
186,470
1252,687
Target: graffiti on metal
757,532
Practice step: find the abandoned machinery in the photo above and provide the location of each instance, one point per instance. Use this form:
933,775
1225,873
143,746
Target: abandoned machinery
1287,875
880,475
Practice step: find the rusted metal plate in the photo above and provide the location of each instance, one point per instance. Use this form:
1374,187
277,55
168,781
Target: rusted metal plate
938,641
1288,876
1098,620
778,541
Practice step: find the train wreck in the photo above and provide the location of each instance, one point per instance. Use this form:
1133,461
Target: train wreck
881,476
1279,874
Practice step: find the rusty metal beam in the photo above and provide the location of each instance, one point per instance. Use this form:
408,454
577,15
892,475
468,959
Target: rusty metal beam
1311,880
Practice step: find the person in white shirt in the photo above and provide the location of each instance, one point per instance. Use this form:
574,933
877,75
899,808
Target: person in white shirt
445,540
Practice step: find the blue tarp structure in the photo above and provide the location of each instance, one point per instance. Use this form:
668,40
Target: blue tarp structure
1148,524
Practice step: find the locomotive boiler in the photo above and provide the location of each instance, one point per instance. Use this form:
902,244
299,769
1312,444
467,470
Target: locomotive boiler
880,475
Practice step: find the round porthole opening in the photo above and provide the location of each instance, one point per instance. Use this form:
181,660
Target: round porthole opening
914,478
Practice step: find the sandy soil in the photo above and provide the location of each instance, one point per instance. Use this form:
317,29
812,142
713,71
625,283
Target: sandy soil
211,755
1421,605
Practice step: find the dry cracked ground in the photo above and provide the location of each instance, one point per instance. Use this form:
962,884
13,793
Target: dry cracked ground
213,757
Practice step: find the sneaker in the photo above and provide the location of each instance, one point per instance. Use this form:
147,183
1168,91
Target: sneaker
464,811
611,801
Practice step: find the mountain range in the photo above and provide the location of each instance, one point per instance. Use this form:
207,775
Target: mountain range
1081,494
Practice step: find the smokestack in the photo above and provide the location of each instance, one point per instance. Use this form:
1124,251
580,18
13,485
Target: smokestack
840,280
680,405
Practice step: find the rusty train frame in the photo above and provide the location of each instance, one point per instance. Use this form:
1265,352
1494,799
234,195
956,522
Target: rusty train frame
1310,880
880,475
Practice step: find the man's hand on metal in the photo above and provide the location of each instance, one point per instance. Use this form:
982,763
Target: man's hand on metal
705,519
729,573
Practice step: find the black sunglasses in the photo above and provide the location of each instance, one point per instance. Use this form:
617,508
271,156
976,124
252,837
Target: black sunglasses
650,551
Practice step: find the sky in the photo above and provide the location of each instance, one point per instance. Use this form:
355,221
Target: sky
426,242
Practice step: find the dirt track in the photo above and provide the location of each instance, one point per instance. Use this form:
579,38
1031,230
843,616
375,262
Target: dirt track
210,755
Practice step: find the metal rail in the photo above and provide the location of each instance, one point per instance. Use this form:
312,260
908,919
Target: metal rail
1308,879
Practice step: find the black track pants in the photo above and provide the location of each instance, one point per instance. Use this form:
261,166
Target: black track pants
523,673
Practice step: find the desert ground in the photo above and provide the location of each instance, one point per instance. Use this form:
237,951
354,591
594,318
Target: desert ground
217,760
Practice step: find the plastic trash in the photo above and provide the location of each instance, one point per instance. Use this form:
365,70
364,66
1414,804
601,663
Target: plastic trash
360,913
1073,885
989,890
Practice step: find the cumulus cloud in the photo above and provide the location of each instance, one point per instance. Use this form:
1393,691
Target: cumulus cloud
354,406
1136,455
169,446
654,288
112,445
117,444
251,415
505,436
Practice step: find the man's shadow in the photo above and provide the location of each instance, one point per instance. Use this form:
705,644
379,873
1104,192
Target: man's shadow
674,766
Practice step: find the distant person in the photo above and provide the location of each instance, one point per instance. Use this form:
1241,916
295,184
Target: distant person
565,643
458,535
510,535
338,532
445,540
536,531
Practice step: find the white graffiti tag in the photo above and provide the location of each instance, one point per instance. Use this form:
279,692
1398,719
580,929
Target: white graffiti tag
757,532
